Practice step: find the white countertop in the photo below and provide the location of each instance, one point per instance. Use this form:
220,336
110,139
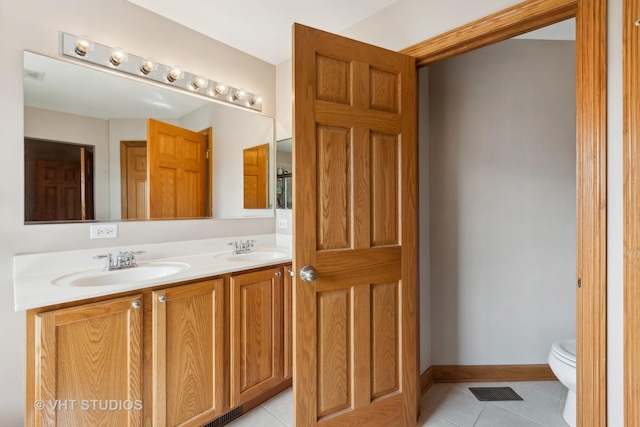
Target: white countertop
34,273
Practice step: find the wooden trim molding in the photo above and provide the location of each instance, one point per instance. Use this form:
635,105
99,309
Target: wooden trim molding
491,373
484,373
591,163
519,19
631,219
426,380
591,209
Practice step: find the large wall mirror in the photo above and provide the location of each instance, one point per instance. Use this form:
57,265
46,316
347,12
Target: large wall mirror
100,146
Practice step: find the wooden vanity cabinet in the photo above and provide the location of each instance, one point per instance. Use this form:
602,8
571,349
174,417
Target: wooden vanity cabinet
256,338
183,355
85,365
188,381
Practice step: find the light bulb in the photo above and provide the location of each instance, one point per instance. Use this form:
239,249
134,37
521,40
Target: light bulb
147,66
83,46
256,100
221,89
240,94
118,56
199,83
175,73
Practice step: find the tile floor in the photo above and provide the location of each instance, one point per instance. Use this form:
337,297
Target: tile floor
450,405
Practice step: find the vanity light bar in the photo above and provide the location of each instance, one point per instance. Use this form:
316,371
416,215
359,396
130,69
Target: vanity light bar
83,49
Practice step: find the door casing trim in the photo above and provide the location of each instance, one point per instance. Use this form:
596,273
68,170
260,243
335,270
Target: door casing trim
591,164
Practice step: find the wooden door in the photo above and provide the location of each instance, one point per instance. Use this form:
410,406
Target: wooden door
188,354
133,182
355,221
255,177
256,334
58,191
89,365
177,174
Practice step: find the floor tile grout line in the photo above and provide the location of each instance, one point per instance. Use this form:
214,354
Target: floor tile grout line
543,394
484,406
520,415
277,417
442,417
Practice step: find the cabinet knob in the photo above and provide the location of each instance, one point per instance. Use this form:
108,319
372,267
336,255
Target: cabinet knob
162,298
278,274
136,304
292,273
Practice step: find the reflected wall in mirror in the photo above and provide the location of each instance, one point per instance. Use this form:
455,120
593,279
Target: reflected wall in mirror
74,104
284,166
256,183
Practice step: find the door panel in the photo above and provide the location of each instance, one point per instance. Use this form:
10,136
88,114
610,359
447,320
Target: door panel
355,216
334,177
133,166
58,191
384,189
177,175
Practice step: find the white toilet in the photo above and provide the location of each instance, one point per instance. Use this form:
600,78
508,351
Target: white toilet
562,360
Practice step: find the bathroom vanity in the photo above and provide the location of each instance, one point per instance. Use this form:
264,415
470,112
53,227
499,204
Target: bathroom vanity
211,340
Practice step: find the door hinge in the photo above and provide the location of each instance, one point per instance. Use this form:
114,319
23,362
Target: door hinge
207,152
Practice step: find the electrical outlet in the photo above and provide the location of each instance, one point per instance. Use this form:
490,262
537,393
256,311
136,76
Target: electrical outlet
104,231
282,223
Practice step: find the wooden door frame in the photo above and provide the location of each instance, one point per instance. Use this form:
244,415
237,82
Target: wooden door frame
631,203
591,163
209,187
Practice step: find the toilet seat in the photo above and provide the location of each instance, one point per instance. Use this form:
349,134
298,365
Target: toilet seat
565,351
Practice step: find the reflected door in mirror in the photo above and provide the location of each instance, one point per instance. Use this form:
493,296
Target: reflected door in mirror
133,170
58,181
177,171
255,166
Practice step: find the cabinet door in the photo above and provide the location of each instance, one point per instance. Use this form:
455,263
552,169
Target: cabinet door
288,320
188,345
256,333
89,365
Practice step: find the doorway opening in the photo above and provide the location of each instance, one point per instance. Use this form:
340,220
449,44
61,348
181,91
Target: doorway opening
58,180
591,181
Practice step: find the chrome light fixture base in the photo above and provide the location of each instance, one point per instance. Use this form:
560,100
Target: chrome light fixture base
82,49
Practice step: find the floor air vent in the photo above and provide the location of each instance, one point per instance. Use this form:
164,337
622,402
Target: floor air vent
226,418
494,394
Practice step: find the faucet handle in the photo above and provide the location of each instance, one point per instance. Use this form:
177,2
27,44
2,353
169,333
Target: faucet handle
138,252
109,264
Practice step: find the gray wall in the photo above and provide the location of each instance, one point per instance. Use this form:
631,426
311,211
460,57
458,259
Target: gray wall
502,202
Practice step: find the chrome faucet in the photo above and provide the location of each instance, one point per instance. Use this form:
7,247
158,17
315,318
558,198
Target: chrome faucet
241,247
125,259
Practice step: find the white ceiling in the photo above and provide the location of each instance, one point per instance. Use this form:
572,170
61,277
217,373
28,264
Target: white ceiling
263,28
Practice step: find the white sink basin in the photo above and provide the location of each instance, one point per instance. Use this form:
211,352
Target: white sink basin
253,256
147,271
